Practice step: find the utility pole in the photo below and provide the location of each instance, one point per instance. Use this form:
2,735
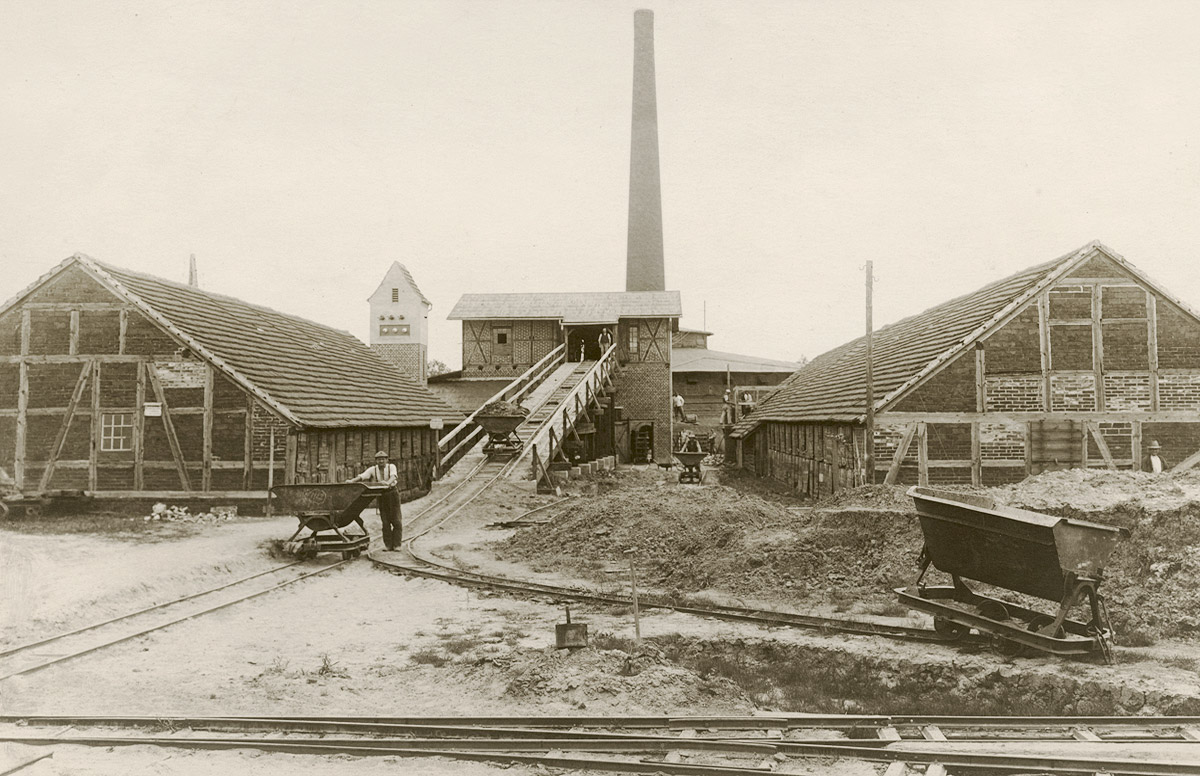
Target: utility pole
869,442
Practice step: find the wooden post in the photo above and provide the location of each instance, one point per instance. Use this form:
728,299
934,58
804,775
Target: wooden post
1101,445
289,466
976,456
1152,351
97,429
637,623
123,316
869,442
1028,448
922,454
22,421
22,404
207,425
898,457
139,430
248,446
1098,348
1135,445
1044,347
73,346
291,452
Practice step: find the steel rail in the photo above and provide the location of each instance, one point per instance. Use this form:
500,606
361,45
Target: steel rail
452,575
368,749
489,748
545,727
147,610
176,621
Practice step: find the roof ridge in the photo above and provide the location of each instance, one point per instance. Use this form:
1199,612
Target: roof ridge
212,294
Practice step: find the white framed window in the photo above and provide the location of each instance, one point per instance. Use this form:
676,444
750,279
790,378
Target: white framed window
116,432
633,339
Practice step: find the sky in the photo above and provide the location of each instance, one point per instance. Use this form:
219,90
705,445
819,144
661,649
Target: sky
299,148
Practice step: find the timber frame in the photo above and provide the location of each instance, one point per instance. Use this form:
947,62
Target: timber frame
1089,401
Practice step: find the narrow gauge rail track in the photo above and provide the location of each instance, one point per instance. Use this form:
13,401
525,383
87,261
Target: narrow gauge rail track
859,730
487,473
517,745
59,648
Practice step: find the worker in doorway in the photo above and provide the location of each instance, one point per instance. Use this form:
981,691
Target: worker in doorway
582,347
1156,461
605,340
678,402
388,502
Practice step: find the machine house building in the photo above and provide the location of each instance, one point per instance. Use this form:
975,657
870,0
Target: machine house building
505,334
1078,362
116,383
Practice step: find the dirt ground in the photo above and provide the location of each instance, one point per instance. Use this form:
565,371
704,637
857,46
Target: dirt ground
363,641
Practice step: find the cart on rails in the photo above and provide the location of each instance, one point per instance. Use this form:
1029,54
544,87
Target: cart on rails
502,433
325,510
1053,558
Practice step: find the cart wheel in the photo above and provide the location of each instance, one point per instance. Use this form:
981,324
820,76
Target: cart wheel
1041,621
994,610
948,629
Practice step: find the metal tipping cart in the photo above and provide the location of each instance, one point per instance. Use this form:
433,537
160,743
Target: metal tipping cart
690,461
1053,558
502,433
325,509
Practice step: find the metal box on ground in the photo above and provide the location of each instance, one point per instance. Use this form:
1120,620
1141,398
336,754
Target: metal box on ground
325,509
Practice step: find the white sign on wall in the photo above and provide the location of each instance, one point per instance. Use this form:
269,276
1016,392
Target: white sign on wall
152,409
181,374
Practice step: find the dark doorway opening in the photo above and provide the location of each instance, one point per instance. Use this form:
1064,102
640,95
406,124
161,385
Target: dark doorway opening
587,337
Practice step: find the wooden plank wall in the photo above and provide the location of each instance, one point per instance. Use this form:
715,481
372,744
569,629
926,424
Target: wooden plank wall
334,455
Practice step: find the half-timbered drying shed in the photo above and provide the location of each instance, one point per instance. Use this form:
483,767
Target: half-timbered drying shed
121,384
1080,361
506,334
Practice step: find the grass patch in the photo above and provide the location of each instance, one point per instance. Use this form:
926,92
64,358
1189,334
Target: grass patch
429,656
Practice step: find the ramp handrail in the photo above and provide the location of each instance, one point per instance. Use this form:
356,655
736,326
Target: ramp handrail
574,404
455,443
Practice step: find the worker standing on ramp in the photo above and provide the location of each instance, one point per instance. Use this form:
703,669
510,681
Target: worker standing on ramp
384,473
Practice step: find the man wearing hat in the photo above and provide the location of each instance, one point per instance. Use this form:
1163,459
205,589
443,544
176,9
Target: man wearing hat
1156,461
388,502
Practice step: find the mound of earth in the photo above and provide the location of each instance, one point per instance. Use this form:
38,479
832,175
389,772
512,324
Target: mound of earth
852,549
717,538
1100,489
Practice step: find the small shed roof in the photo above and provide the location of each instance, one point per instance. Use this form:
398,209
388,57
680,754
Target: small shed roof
311,374
572,308
832,386
704,360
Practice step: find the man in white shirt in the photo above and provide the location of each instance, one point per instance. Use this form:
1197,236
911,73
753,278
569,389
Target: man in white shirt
388,502
678,401
1156,461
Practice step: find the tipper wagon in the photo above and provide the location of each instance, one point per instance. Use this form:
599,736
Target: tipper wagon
970,537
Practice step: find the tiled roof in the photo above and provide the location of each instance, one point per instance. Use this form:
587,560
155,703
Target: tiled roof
570,308
832,387
704,360
312,374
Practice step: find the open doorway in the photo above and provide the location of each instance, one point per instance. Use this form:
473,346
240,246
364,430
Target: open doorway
587,338
641,444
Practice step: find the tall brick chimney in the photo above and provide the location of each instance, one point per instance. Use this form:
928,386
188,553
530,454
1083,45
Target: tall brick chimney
644,255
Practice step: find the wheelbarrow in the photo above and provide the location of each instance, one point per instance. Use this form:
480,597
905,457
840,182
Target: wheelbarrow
502,433
325,510
690,461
